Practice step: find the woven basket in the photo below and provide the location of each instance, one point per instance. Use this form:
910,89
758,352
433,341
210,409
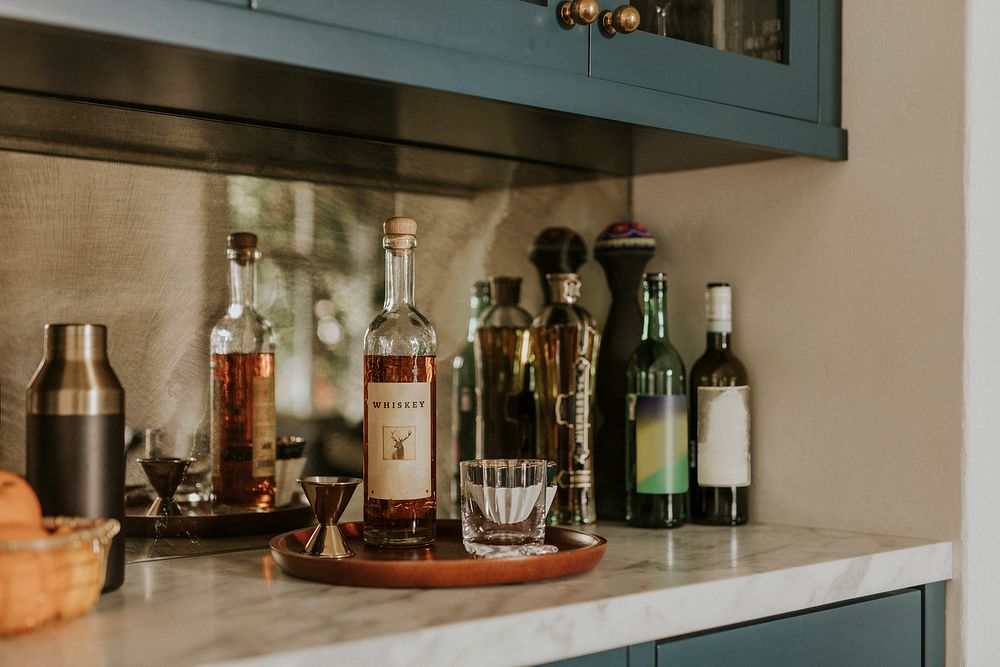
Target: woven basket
56,577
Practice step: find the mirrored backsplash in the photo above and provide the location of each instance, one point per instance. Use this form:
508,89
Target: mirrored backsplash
142,249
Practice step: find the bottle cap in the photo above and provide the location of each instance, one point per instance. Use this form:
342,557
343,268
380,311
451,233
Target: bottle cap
719,307
242,241
629,236
399,226
506,290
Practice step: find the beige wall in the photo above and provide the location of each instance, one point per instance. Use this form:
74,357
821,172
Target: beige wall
848,281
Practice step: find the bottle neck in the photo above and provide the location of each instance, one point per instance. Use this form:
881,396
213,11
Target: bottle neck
242,285
479,304
654,311
718,340
563,288
399,275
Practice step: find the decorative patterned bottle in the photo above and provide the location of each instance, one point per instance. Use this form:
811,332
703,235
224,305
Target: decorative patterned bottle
565,342
400,406
242,389
503,350
720,421
463,383
656,427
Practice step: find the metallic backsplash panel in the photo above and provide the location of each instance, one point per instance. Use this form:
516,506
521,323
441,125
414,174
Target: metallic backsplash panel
142,250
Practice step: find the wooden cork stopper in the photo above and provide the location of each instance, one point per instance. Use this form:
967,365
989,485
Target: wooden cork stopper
242,241
398,226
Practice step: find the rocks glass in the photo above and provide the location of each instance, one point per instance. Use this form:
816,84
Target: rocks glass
503,507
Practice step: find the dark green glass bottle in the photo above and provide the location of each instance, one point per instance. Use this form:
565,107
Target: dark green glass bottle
463,383
720,421
656,467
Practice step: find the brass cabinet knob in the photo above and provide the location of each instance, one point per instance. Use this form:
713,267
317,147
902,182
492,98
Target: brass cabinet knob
624,19
583,12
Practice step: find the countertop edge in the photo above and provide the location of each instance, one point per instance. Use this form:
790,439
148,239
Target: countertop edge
559,632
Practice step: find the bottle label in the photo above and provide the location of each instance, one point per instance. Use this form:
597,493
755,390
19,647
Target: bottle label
724,436
264,427
661,452
581,411
398,423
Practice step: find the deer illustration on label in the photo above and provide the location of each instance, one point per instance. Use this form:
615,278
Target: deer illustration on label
393,447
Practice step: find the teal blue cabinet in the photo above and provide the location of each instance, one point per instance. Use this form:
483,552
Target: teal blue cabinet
900,629
790,87
494,77
519,52
885,631
507,30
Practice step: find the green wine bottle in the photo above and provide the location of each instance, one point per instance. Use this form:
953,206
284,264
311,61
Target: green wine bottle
720,421
656,431
463,384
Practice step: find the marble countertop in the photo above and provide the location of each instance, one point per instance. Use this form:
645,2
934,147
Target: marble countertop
238,606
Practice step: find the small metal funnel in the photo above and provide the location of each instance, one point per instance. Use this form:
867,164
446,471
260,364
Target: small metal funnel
165,475
329,497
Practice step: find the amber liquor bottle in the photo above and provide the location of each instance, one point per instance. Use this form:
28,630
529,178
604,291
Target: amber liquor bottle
400,406
565,342
242,389
503,350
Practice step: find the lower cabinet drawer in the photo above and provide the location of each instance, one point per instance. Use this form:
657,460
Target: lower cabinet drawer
885,631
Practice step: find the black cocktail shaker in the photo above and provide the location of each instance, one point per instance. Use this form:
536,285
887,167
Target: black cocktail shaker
76,433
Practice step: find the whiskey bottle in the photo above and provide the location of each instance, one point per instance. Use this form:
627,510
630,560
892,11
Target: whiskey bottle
242,412
400,406
463,383
719,421
503,348
565,342
656,430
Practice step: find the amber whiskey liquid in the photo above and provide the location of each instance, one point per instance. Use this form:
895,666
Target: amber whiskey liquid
400,450
243,422
506,415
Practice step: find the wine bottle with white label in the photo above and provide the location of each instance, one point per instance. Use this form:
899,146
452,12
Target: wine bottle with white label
656,466
720,421
400,406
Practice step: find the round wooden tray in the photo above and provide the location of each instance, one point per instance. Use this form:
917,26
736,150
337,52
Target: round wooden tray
443,565
204,520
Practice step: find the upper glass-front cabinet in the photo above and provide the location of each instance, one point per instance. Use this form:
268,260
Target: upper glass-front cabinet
752,28
756,54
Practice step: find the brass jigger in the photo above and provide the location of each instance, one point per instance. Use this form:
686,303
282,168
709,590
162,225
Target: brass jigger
165,476
329,497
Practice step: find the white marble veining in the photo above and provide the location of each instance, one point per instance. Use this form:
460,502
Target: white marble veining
240,607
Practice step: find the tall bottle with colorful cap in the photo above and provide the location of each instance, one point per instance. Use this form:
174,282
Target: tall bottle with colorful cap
622,250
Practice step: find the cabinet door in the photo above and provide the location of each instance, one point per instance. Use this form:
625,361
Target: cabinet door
756,54
886,631
513,30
